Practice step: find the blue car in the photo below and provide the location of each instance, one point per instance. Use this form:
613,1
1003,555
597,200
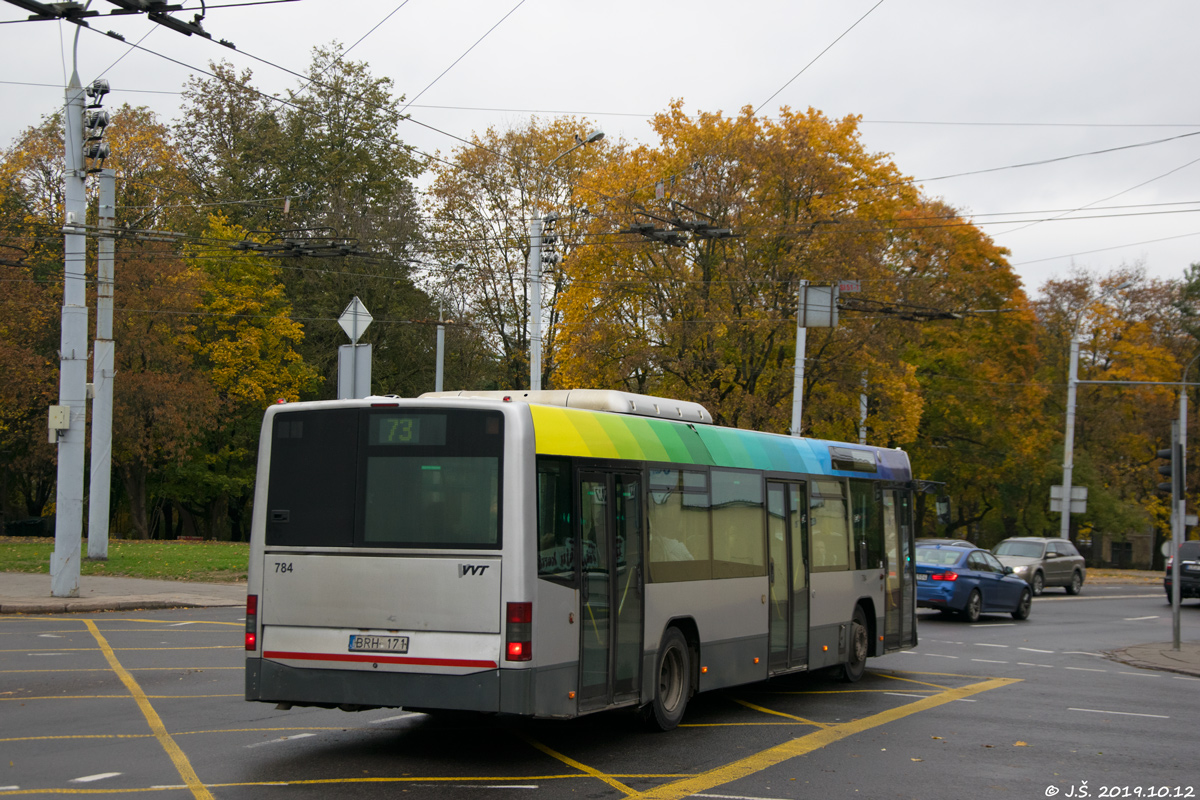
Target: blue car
957,577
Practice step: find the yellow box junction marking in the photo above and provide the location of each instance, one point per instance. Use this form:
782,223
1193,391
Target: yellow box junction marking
807,744
176,754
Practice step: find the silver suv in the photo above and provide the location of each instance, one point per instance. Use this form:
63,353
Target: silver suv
1043,562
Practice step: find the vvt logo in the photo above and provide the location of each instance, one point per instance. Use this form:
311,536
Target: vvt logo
471,569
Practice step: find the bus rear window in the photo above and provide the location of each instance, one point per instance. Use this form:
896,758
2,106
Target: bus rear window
386,478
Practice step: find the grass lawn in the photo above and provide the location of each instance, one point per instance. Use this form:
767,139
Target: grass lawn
194,561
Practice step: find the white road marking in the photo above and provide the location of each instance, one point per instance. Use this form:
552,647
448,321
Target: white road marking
1139,674
393,719
1027,664
1082,653
1182,678
49,636
99,777
901,694
179,624
1086,669
1139,619
995,625
47,654
1121,713
939,655
983,644
10,788
283,739
988,661
1034,650
1061,599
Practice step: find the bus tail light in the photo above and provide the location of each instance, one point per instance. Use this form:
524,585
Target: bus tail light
251,622
518,632
948,575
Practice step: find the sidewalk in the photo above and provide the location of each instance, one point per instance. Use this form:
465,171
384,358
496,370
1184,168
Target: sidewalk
29,593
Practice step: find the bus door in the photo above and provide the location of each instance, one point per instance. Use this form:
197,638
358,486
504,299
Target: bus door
787,573
899,581
610,614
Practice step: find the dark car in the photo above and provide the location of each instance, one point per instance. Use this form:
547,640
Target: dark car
1189,571
964,579
1044,562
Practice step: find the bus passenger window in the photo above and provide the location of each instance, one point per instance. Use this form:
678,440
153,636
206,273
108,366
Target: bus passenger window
868,532
829,532
680,549
556,545
737,524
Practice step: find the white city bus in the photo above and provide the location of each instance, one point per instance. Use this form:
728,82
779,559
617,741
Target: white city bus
556,553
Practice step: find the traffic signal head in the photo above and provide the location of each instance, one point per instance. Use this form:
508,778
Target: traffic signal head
1172,470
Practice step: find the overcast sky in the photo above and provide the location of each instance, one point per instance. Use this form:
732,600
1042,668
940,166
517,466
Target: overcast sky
945,86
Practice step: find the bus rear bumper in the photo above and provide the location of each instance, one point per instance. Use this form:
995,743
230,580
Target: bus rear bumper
270,682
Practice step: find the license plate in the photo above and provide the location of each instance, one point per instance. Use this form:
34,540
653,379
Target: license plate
1191,567
921,576
378,644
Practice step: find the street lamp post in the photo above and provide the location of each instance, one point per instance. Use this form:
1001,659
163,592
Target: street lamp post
534,271
1069,437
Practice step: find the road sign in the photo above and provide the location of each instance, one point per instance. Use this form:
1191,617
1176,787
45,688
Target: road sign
1079,496
355,319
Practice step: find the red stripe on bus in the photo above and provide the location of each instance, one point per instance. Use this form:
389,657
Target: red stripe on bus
372,659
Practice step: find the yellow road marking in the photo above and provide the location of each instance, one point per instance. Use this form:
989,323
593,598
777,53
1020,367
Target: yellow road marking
131,669
336,781
182,765
79,736
894,677
842,691
592,771
807,744
115,697
122,649
781,714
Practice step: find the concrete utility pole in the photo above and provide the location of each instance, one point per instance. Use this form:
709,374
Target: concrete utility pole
534,272
103,370
1073,381
798,368
72,377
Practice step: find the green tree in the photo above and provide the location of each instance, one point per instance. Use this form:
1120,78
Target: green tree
244,342
319,174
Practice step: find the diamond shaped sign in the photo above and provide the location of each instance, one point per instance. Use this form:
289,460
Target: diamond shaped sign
355,319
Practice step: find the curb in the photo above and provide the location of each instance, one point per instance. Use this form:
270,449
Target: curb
1123,656
75,606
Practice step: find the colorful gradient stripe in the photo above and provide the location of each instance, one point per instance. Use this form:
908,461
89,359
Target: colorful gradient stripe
597,434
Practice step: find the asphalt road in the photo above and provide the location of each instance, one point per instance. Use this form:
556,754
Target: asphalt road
150,704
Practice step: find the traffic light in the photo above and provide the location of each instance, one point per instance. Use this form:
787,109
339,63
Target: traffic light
1172,470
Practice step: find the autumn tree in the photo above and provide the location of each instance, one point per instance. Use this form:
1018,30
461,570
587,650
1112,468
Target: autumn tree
30,272
737,211
482,200
244,342
1136,334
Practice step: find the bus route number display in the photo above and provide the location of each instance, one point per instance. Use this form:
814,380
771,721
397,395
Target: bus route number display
410,429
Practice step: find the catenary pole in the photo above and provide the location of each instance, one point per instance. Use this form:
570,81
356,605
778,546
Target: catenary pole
798,370
72,377
535,302
103,370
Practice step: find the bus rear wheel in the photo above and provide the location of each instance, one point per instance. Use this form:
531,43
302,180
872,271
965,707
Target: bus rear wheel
672,686
853,669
